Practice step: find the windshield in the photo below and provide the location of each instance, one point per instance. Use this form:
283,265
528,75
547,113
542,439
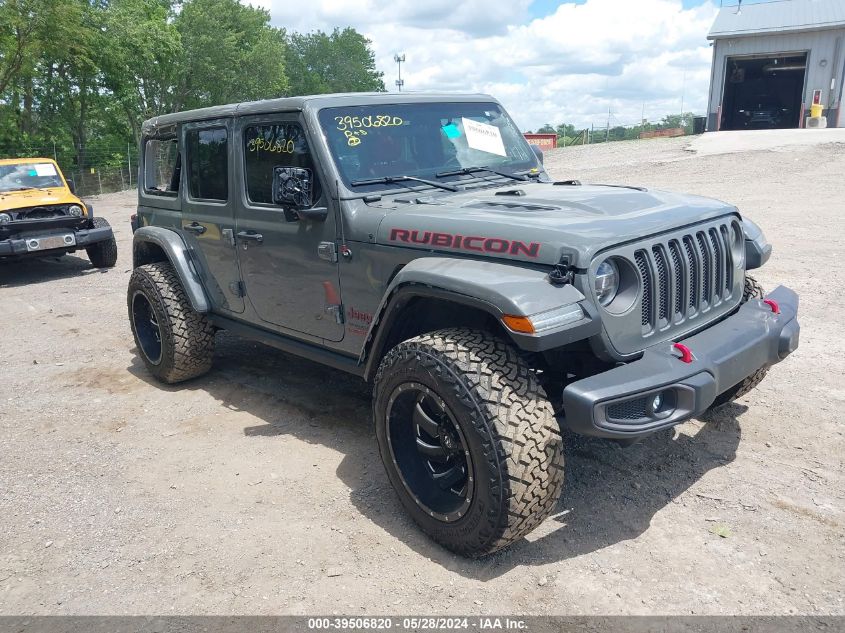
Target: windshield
22,176
423,140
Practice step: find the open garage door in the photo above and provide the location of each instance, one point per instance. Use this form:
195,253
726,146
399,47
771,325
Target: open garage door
763,92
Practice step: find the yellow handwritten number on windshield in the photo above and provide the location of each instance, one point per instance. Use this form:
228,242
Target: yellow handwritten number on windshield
354,127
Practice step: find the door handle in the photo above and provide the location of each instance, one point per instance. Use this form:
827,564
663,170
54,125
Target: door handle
194,227
251,236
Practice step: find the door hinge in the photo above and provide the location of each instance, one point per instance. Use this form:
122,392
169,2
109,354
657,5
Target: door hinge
327,251
237,288
337,311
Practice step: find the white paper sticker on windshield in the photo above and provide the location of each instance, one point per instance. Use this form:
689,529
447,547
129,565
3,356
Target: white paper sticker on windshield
45,169
487,138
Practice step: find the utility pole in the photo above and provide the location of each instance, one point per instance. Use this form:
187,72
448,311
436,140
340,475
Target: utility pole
399,59
683,94
607,133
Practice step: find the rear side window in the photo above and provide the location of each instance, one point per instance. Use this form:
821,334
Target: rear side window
208,164
271,145
161,166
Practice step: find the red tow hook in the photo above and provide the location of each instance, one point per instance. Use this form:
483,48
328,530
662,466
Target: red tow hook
686,352
773,305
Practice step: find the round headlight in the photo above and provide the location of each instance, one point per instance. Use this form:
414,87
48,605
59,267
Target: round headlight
607,281
75,210
5,218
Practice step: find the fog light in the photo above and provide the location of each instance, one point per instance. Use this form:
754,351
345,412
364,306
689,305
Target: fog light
656,402
661,405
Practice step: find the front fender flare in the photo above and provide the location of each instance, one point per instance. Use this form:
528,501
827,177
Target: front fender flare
757,247
179,256
495,288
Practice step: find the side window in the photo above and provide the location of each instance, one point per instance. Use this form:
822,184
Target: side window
161,166
208,164
271,145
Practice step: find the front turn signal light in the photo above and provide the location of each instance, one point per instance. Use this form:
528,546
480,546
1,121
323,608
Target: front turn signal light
519,323
544,321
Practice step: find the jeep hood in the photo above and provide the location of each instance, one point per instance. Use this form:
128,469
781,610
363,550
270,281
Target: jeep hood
540,222
10,200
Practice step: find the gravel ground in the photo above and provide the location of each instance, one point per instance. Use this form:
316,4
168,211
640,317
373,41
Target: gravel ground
258,489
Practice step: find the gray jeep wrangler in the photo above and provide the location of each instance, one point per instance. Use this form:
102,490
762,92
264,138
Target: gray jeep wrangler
417,242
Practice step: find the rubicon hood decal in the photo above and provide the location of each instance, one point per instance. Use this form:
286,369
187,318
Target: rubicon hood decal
477,243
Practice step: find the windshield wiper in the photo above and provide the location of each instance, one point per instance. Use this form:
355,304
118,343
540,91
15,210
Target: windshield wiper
472,170
388,180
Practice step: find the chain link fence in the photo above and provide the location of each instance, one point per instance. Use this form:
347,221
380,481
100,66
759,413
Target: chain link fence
614,130
95,171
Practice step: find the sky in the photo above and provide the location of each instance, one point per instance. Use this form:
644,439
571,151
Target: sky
547,61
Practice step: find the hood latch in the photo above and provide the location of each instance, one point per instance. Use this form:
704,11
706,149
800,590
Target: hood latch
562,274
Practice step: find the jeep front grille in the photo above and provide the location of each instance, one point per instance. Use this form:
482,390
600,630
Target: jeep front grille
42,213
676,287
686,279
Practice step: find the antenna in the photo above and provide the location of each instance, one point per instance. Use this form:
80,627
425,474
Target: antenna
399,59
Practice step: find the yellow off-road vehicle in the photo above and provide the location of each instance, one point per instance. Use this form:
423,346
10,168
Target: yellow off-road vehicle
41,215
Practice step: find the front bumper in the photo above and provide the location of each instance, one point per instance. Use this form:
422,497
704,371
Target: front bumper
619,403
16,245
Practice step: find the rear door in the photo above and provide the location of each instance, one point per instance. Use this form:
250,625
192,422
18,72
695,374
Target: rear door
288,266
208,210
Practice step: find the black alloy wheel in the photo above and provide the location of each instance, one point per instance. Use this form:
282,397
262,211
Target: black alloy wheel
146,327
430,452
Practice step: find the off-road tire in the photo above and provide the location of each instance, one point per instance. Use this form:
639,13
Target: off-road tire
751,290
187,337
510,429
102,254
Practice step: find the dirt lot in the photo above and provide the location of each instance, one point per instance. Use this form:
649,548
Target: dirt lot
258,489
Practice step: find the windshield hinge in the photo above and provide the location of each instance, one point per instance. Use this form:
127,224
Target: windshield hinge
337,312
327,251
237,288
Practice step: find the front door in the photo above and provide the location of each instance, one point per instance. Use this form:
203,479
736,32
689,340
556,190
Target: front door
289,270
208,210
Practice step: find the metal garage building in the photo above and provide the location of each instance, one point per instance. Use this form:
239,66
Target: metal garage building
771,60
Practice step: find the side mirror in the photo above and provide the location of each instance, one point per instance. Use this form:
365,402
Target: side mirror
71,185
537,152
293,190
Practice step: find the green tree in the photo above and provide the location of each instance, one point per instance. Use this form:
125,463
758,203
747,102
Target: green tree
320,63
677,120
547,128
566,130
229,53
140,58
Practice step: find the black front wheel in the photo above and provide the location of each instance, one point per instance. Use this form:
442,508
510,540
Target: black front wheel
429,451
468,439
102,254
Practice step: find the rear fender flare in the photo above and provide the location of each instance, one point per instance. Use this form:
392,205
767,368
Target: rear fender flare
179,256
